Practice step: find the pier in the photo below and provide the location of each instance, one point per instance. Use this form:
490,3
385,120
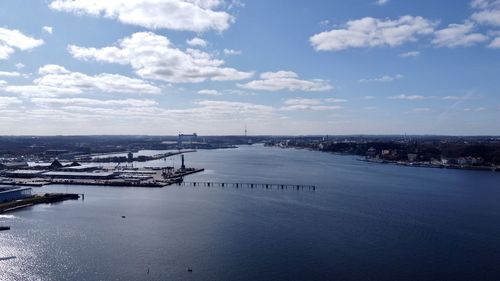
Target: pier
47,198
250,185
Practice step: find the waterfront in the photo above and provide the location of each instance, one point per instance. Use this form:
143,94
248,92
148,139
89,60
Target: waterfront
364,222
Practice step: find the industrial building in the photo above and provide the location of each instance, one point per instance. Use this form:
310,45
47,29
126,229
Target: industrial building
25,173
189,138
13,165
80,168
15,194
80,175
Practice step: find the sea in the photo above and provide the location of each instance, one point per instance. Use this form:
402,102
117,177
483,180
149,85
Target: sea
364,221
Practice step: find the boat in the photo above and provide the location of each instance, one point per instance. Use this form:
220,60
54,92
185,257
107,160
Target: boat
2,228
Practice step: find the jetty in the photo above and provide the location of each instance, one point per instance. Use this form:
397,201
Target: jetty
37,199
250,185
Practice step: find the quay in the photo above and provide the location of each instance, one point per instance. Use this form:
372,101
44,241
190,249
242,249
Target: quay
251,185
182,173
36,199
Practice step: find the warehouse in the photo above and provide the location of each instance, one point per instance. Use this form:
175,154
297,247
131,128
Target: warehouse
80,175
15,194
25,173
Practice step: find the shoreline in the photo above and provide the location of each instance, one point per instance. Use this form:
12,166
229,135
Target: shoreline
404,163
429,165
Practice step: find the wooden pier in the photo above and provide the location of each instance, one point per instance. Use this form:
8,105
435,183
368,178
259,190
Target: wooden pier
250,185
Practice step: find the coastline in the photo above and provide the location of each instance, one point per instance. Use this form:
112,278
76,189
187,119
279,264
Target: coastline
405,163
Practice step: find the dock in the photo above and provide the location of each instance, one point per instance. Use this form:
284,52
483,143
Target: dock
250,185
37,199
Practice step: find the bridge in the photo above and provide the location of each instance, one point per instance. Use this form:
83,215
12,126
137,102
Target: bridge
249,185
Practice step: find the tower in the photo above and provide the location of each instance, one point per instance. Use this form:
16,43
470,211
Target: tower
182,165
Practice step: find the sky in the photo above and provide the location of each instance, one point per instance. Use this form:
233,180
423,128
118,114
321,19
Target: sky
279,67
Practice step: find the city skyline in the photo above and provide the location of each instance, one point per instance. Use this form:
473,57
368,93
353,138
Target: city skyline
221,67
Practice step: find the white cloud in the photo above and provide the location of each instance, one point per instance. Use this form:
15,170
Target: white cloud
455,98
93,102
495,44
10,73
407,97
11,39
477,109
385,78
48,29
302,101
302,104
74,115
488,12
286,80
335,100
153,57
458,35
8,101
324,22
410,54
422,109
382,2
483,4
209,92
56,80
239,92
19,65
372,32
189,15
196,41
231,52
234,107
52,69
368,97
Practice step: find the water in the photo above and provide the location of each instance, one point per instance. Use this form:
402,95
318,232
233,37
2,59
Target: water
365,221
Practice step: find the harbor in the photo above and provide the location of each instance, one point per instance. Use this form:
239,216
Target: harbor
85,173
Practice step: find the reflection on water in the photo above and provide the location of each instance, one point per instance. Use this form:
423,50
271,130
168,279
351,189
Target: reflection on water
365,222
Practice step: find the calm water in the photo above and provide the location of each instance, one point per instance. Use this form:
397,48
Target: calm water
365,222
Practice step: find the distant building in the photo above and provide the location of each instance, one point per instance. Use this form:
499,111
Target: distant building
49,166
181,138
130,157
449,161
55,165
470,161
55,152
371,152
13,165
25,173
412,157
81,168
15,194
81,175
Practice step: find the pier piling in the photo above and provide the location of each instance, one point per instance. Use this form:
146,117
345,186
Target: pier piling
251,185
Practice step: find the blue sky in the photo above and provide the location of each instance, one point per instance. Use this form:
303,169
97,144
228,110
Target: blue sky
277,67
